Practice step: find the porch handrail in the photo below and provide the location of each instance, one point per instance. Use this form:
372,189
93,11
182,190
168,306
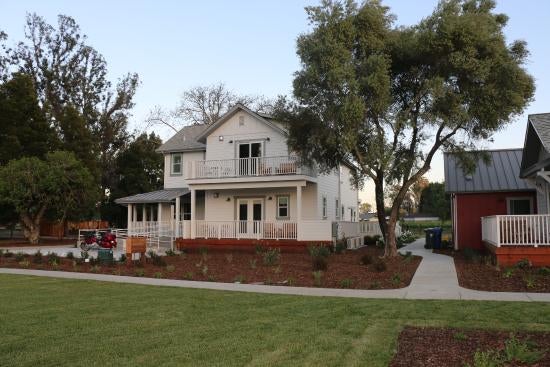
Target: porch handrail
247,167
516,230
243,229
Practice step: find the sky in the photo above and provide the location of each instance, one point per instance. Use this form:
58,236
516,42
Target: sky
249,45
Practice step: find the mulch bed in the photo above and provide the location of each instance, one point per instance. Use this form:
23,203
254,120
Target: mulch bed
45,242
481,275
436,347
294,269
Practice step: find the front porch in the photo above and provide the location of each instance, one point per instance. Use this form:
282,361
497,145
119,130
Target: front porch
515,237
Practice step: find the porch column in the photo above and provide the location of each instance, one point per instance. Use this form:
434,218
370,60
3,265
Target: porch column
178,216
193,204
134,213
298,211
159,218
129,218
151,216
144,213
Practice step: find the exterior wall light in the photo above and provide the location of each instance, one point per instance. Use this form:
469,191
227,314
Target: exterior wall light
220,138
216,195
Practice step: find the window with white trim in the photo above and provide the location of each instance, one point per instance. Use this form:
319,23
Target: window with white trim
283,210
324,201
177,164
337,207
343,212
520,205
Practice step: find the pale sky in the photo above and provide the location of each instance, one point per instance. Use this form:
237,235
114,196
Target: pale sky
249,45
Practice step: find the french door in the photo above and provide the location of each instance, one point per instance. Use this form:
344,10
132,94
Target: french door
249,157
250,215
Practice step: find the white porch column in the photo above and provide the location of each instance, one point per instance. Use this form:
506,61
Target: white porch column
129,219
298,211
134,213
151,216
143,213
178,216
193,204
159,218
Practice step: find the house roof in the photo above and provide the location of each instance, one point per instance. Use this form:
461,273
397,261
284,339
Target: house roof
266,119
541,124
500,174
160,196
184,140
536,148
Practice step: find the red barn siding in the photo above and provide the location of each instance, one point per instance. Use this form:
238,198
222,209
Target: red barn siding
469,208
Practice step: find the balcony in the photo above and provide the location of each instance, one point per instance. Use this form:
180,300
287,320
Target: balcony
516,230
249,167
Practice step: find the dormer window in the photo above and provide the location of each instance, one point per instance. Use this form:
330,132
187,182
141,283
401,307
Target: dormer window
176,166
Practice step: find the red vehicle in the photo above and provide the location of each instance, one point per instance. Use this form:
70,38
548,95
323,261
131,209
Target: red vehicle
95,240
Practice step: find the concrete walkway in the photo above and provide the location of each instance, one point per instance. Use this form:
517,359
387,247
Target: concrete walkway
435,278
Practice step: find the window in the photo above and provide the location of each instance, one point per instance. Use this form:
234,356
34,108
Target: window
176,165
186,211
519,206
282,207
343,210
324,200
337,207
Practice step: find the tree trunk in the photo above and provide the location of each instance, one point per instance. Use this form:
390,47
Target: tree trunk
32,232
390,248
380,208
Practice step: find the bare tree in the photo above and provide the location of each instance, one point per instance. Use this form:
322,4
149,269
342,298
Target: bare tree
205,105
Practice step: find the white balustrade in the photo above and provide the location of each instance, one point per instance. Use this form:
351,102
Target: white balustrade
246,229
516,230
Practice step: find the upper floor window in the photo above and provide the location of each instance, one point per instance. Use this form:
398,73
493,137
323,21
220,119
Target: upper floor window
324,207
176,166
520,205
283,207
337,207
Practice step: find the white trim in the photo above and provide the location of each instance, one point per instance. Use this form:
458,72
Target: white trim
172,155
509,199
278,206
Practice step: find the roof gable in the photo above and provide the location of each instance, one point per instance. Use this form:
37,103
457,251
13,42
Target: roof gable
184,140
500,174
536,148
235,109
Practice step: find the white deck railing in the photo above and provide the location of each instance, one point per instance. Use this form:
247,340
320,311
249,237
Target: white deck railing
246,167
516,230
246,229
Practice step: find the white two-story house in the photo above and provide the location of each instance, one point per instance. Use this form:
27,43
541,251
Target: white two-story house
236,180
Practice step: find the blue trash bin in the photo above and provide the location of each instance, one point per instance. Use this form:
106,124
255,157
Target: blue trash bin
437,232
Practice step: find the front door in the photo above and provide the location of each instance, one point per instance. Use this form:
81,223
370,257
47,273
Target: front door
249,156
250,215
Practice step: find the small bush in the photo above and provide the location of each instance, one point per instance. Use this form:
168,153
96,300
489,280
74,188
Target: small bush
203,251
156,259
158,275
520,351
346,283
407,237
139,272
211,278
366,259
19,256
319,257
396,279
471,255
271,256
340,246
229,258
460,336
95,269
204,270
69,255
188,276
183,254
170,268
239,279
486,359
508,272
54,264
253,263
544,271
375,285
380,266
529,281
53,258
37,258
259,248
170,252
317,278
1,252
523,264
122,258
24,263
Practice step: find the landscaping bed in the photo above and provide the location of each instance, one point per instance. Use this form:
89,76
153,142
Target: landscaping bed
435,347
359,269
477,271
46,242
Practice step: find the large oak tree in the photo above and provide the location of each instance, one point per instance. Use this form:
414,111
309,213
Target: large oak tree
388,98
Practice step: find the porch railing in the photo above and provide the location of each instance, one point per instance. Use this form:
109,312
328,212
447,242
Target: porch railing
516,230
246,167
246,229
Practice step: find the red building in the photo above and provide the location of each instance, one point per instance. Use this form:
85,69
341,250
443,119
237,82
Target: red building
495,188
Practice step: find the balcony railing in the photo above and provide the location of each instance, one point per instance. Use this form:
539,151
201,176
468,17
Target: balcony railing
238,229
249,167
516,230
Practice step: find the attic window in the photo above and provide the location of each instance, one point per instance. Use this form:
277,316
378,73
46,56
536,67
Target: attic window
241,120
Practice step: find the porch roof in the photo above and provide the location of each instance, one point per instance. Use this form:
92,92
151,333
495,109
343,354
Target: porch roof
160,196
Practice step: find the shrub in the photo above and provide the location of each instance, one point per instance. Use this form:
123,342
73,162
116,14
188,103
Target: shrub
1,252
170,252
54,264
508,272
523,264
380,266
37,258
396,279
486,359
239,279
229,258
317,278
170,268
211,278
544,271
158,275
460,336
518,351
122,258
346,283
95,269
407,237
340,246
24,263
188,276
183,255
19,256
204,270
471,255
53,258
319,257
156,259
253,263
272,256
380,242
139,272
366,259
258,248
69,255
374,285
446,244
529,281
203,251
369,241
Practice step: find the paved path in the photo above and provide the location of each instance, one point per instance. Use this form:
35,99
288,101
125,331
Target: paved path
435,279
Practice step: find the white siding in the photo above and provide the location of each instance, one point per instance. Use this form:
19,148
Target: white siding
348,194
543,195
252,129
172,182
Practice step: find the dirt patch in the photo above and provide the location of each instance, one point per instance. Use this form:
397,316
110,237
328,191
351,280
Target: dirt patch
293,269
479,273
436,347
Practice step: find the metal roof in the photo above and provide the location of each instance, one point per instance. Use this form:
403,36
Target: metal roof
500,174
160,196
184,140
541,124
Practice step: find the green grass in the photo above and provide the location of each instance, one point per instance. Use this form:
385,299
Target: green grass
417,228
52,322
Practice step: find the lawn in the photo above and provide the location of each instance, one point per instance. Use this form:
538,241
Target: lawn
49,322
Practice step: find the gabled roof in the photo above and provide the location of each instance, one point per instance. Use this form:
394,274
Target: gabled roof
160,196
500,174
266,119
185,140
536,149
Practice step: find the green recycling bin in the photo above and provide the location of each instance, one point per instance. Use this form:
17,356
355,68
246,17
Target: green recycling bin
105,256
